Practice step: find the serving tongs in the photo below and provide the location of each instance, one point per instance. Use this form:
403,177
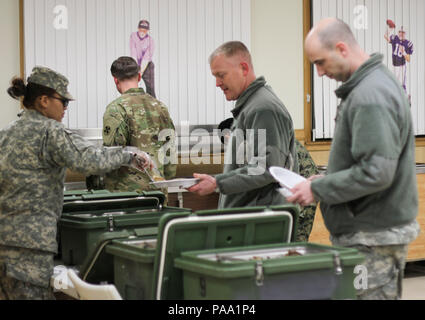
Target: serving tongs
147,172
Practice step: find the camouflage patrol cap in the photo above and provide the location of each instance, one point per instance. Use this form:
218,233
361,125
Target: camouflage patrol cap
51,79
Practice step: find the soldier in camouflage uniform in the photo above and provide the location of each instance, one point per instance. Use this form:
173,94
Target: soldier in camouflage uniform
36,150
138,119
307,169
383,265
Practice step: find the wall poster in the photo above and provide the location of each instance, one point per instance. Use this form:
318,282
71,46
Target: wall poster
394,28
171,39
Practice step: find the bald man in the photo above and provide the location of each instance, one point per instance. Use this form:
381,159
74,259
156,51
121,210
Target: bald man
262,134
368,197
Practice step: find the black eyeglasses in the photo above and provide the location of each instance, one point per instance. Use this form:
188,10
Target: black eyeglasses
65,102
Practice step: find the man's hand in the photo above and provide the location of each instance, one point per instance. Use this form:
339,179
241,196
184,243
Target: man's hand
206,186
302,194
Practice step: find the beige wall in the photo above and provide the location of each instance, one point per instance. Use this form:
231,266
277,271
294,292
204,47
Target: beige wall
277,50
9,62
276,45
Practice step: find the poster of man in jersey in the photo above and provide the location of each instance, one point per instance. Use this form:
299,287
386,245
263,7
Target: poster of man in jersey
141,49
402,49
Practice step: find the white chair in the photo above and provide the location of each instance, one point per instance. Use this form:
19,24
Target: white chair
88,291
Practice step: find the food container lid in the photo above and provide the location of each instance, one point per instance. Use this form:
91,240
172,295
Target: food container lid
216,229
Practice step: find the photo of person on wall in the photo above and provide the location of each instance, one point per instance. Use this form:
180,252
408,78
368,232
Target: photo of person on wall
142,49
402,49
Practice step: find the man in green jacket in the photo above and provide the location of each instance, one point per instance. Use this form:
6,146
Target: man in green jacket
368,197
262,134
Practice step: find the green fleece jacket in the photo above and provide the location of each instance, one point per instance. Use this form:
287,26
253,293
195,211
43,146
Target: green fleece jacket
371,179
262,136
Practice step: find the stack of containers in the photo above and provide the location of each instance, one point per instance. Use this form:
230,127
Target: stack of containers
144,268
244,253
101,216
241,253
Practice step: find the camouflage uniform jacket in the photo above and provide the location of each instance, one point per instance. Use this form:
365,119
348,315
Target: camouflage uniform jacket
307,169
307,166
139,120
35,152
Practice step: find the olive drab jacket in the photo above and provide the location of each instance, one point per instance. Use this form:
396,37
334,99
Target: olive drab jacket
262,136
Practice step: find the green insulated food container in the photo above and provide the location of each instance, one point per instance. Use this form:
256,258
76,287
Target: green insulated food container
85,221
98,267
77,201
149,272
79,195
82,200
133,266
270,272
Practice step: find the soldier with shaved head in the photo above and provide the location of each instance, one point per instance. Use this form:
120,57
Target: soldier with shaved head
368,197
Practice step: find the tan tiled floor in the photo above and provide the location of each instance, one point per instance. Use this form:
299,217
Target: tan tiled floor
414,282
414,288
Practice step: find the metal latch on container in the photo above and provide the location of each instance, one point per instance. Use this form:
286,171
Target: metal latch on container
110,216
111,223
259,274
202,287
337,264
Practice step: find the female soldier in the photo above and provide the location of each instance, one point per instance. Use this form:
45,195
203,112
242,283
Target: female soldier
35,152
